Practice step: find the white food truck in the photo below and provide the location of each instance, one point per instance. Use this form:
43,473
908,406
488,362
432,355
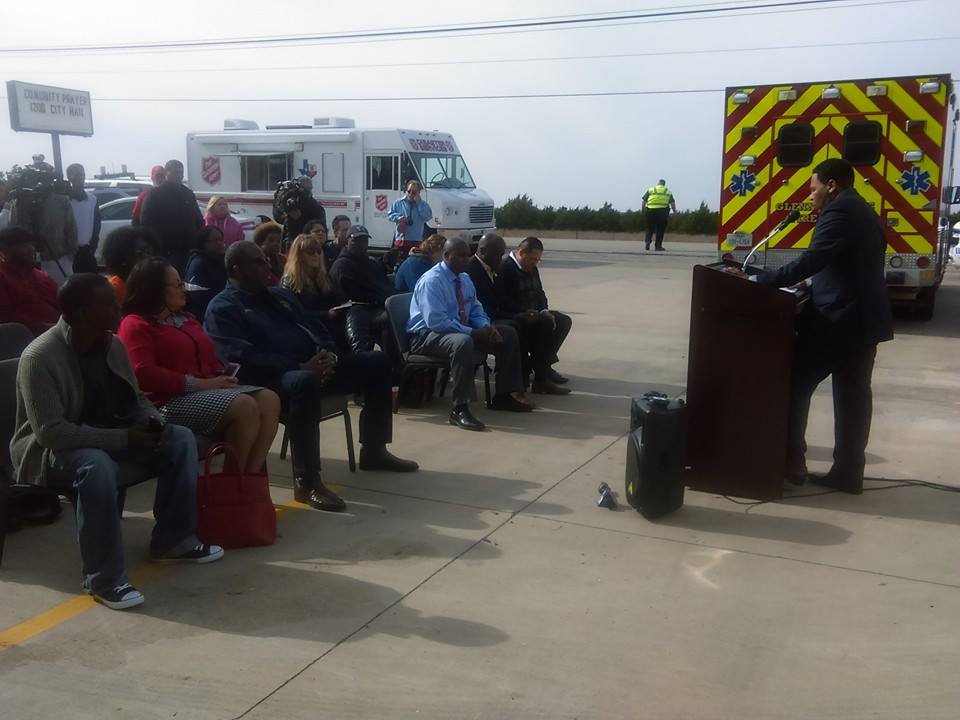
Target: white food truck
355,172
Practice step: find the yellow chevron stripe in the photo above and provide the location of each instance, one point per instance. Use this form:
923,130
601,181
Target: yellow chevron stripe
749,225
803,103
757,112
914,110
918,244
801,244
858,98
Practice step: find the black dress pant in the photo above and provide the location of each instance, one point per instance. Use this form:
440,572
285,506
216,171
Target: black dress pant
540,340
301,391
657,223
851,369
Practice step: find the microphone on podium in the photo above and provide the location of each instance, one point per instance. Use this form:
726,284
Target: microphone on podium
791,218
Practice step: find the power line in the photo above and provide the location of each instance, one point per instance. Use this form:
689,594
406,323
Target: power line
496,61
412,33
409,99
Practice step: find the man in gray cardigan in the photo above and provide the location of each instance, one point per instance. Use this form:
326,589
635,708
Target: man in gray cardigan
80,412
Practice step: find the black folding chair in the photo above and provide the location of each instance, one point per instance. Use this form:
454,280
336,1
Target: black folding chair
14,339
398,312
331,406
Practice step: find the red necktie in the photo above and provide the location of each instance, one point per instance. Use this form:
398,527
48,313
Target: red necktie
460,304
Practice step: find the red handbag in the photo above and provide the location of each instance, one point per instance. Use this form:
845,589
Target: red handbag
234,510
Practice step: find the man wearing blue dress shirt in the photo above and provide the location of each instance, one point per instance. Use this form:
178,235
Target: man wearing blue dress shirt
447,321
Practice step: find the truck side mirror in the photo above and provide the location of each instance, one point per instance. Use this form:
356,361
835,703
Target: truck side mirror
951,195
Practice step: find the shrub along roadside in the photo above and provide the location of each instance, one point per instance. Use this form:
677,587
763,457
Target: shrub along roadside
521,212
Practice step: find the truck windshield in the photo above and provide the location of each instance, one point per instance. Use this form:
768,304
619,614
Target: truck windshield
442,171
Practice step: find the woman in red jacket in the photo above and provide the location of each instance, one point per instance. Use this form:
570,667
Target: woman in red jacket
176,367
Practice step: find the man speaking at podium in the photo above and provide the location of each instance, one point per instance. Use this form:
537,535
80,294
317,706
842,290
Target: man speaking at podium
838,331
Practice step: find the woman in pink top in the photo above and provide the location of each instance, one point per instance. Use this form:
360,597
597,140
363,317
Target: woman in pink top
218,216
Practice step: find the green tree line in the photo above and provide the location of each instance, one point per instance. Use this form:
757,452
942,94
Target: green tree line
520,212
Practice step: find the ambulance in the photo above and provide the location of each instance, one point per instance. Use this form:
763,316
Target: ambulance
898,132
355,172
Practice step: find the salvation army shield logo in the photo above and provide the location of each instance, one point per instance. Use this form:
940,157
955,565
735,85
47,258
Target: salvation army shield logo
381,203
210,171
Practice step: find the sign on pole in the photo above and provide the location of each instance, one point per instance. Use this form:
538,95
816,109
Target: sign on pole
40,108
54,110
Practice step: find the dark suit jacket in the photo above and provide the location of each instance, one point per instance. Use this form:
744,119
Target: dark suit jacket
846,262
520,291
488,291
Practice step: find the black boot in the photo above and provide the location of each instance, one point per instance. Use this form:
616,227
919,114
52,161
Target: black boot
310,490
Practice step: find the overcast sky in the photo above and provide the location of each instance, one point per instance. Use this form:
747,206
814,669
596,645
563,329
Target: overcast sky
582,150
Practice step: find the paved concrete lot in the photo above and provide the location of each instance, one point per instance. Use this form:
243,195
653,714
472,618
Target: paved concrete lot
488,585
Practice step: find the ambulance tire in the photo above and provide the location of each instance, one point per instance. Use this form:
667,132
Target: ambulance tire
926,301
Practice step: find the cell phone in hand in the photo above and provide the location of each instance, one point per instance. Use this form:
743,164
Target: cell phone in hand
231,369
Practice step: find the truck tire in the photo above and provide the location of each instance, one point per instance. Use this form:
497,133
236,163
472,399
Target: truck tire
926,301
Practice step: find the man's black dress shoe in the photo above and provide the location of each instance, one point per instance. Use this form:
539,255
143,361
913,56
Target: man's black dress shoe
554,376
462,417
847,485
311,491
383,459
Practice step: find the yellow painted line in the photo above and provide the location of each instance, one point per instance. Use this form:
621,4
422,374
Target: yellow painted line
45,621
75,606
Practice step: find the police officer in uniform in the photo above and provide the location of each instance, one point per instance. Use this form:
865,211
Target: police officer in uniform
658,202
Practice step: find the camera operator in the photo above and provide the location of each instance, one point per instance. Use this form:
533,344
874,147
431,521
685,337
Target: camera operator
293,207
4,209
87,216
40,204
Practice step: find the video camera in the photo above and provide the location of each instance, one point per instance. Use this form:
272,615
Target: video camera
33,184
288,196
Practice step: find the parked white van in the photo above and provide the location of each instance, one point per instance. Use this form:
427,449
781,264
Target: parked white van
356,172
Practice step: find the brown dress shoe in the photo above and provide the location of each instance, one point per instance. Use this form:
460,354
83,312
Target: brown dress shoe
312,492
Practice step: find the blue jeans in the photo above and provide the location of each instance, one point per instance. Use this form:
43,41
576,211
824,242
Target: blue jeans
93,475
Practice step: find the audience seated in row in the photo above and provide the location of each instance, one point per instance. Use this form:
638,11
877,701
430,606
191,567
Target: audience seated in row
218,216
448,321
28,295
340,227
280,346
306,276
206,274
178,370
421,258
511,293
268,237
363,281
123,248
80,412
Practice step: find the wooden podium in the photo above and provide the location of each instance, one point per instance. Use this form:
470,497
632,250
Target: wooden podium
738,384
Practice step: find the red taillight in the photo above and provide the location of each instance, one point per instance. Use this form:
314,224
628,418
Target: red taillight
727,257
923,262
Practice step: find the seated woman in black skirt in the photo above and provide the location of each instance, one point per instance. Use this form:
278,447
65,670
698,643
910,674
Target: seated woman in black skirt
306,276
177,368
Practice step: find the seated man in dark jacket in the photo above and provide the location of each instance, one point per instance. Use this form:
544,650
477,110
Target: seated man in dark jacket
363,281
279,346
543,330
535,347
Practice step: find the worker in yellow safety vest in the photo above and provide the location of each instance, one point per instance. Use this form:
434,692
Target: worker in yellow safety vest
657,203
